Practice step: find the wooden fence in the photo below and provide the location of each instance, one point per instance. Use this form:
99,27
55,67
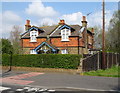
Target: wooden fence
94,62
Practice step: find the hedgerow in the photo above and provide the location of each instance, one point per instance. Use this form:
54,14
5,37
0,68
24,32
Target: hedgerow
67,61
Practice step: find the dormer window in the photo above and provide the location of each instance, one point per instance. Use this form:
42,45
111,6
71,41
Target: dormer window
33,35
65,33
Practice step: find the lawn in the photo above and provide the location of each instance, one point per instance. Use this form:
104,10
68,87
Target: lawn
111,72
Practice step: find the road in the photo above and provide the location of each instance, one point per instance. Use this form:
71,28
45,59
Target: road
59,82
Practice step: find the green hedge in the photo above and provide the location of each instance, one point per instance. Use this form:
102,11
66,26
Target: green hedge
67,61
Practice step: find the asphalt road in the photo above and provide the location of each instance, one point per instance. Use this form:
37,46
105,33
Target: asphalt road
67,82
38,89
75,81
7,88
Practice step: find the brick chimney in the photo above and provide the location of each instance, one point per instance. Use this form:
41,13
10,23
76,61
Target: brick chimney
84,22
27,25
62,22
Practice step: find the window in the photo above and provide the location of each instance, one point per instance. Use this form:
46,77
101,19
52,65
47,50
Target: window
64,51
33,35
65,33
33,52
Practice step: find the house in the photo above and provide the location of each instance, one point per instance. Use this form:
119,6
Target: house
57,39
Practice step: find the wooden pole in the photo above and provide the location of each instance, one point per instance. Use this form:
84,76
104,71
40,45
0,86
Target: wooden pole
103,37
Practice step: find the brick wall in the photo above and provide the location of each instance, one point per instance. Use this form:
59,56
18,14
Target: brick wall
90,40
58,43
26,50
55,41
27,44
71,45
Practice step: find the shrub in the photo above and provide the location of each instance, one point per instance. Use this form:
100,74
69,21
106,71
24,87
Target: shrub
67,61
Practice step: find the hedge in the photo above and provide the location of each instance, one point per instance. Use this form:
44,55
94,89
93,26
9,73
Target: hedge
67,61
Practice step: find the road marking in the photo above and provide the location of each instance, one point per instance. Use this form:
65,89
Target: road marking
3,88
26,89
14,81
50,90
92,89
19,89
23,76
17,78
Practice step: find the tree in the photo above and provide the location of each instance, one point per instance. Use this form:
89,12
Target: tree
113,39
97,37
6,46
15,39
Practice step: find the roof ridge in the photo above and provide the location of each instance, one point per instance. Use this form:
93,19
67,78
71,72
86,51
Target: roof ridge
47,26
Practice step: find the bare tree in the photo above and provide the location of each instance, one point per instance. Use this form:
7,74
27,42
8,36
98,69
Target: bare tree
15,39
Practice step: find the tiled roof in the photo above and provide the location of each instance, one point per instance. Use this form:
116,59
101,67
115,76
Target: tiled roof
47,30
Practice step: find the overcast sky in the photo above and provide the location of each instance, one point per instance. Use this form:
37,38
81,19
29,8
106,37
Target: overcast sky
16,13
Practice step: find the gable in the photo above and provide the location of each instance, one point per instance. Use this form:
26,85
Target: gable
45,44
33,28
27,33
65,26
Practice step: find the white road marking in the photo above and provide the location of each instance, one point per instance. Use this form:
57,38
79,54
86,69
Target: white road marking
92,89
3,88
19,89
50,90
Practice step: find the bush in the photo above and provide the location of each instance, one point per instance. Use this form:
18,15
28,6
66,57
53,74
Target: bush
67,61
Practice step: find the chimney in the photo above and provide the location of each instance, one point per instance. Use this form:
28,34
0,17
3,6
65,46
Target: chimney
27,26
84,22
92,30
62,22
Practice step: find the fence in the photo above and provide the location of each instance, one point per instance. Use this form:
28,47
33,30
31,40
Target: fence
94,62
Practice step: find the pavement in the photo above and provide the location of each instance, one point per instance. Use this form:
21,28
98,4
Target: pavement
58,82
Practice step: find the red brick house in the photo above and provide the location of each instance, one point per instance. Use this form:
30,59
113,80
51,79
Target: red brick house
58,39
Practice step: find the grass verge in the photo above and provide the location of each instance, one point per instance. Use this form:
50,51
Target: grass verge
111,72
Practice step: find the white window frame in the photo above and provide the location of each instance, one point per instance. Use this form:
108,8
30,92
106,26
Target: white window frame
33,35
65,33
64,51
33,52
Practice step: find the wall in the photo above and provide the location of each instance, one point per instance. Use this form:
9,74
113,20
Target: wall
27,44
71,45
58,43
90,40
26,50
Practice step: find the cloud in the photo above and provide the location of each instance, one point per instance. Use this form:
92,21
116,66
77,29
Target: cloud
95,19
47,21
9,19
74,18
39,10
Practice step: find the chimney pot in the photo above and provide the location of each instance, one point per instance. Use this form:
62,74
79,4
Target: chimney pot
84,22
62,22
27,26
84,18
27,22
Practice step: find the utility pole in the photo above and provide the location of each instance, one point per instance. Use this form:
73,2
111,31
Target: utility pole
103,37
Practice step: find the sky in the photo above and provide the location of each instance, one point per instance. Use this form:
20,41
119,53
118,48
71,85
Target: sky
39,13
